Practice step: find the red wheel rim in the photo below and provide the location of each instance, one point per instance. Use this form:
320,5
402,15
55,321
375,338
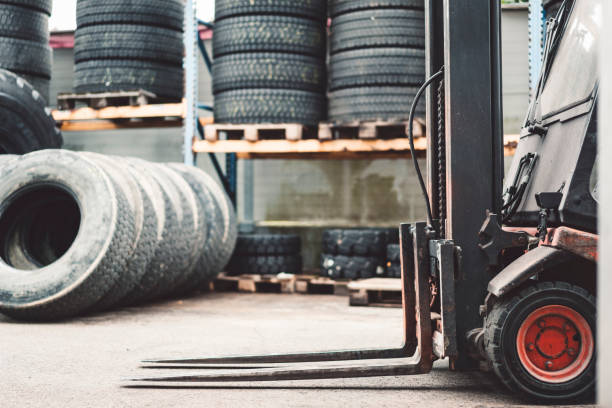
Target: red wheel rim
555,344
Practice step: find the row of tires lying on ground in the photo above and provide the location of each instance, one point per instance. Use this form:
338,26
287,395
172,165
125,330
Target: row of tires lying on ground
82,232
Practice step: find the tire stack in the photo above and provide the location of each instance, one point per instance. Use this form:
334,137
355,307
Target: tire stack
83,232
266,254
355,253
394,266
269,61
26,123
24,41
128,46
377,61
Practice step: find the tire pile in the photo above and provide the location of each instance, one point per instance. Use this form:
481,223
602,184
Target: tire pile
26,123
24,41
266,254
82,233
377,61
128,46
355,253
269,61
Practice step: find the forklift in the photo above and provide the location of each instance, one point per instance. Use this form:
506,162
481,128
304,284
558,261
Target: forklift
502,274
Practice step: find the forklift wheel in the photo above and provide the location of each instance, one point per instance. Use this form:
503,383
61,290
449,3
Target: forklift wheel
542,341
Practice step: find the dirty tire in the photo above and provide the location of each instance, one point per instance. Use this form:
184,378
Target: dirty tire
268,70
393,253
378,28
42,85
502,324
265,265
312,9
25,57
129,75
161,13
394,270
43,6
337,7
23,23
267,244
388,103
269,106
128,41
25,123
351,267
377,67
71,283
269,34
364,242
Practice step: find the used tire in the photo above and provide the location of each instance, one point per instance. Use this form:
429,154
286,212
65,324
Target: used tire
268,70
25,57
373,103
365,242
267,244
377,67
337,7
161,13
313,9
378,28
393,253
42,85
394,270
269,106
269,34
541,342
265,265
128,75
128,41
23,23
40,5
25,123
351,267
80,261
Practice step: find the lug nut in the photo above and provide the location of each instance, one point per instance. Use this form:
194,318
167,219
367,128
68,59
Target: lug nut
531,347
548,365
541,323
571,352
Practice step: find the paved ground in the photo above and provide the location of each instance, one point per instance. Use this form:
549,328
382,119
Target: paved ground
80,363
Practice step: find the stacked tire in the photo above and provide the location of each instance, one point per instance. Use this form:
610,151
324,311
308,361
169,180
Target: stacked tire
129,45
355,253
394,266
266,254
82,232
377,59
24,41
269,61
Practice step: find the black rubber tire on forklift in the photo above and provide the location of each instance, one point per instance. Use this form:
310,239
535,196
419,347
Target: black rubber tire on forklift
312,9
377,67
378,28
25,57
128,41
264,265
23,23
542,310
269,106
389,103
25,124
269,70
161,13
82,262
351,267
363,242
269,34
43,6
337,7
129,75
268,244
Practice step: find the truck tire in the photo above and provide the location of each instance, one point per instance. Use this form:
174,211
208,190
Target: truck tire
393,253
364,242
541,342
394,270
377,67
43,6
265,265
160,13
388,103
312,9
128,41
23,23
82,266
268,70
25,123
378,28
40,84
338,7
269,106
128,75
267,244
25,57
351,267
269,34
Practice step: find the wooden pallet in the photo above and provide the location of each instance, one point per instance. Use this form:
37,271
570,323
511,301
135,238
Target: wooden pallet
100,100
370,130
255,284
316,285
256,132
382,292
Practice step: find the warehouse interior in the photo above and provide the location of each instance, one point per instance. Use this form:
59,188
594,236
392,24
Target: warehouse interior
190,189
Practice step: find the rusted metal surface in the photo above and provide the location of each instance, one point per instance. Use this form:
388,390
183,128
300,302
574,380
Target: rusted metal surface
581,243
444,252
494,239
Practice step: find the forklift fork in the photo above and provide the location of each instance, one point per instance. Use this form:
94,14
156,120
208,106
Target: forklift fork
414,357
